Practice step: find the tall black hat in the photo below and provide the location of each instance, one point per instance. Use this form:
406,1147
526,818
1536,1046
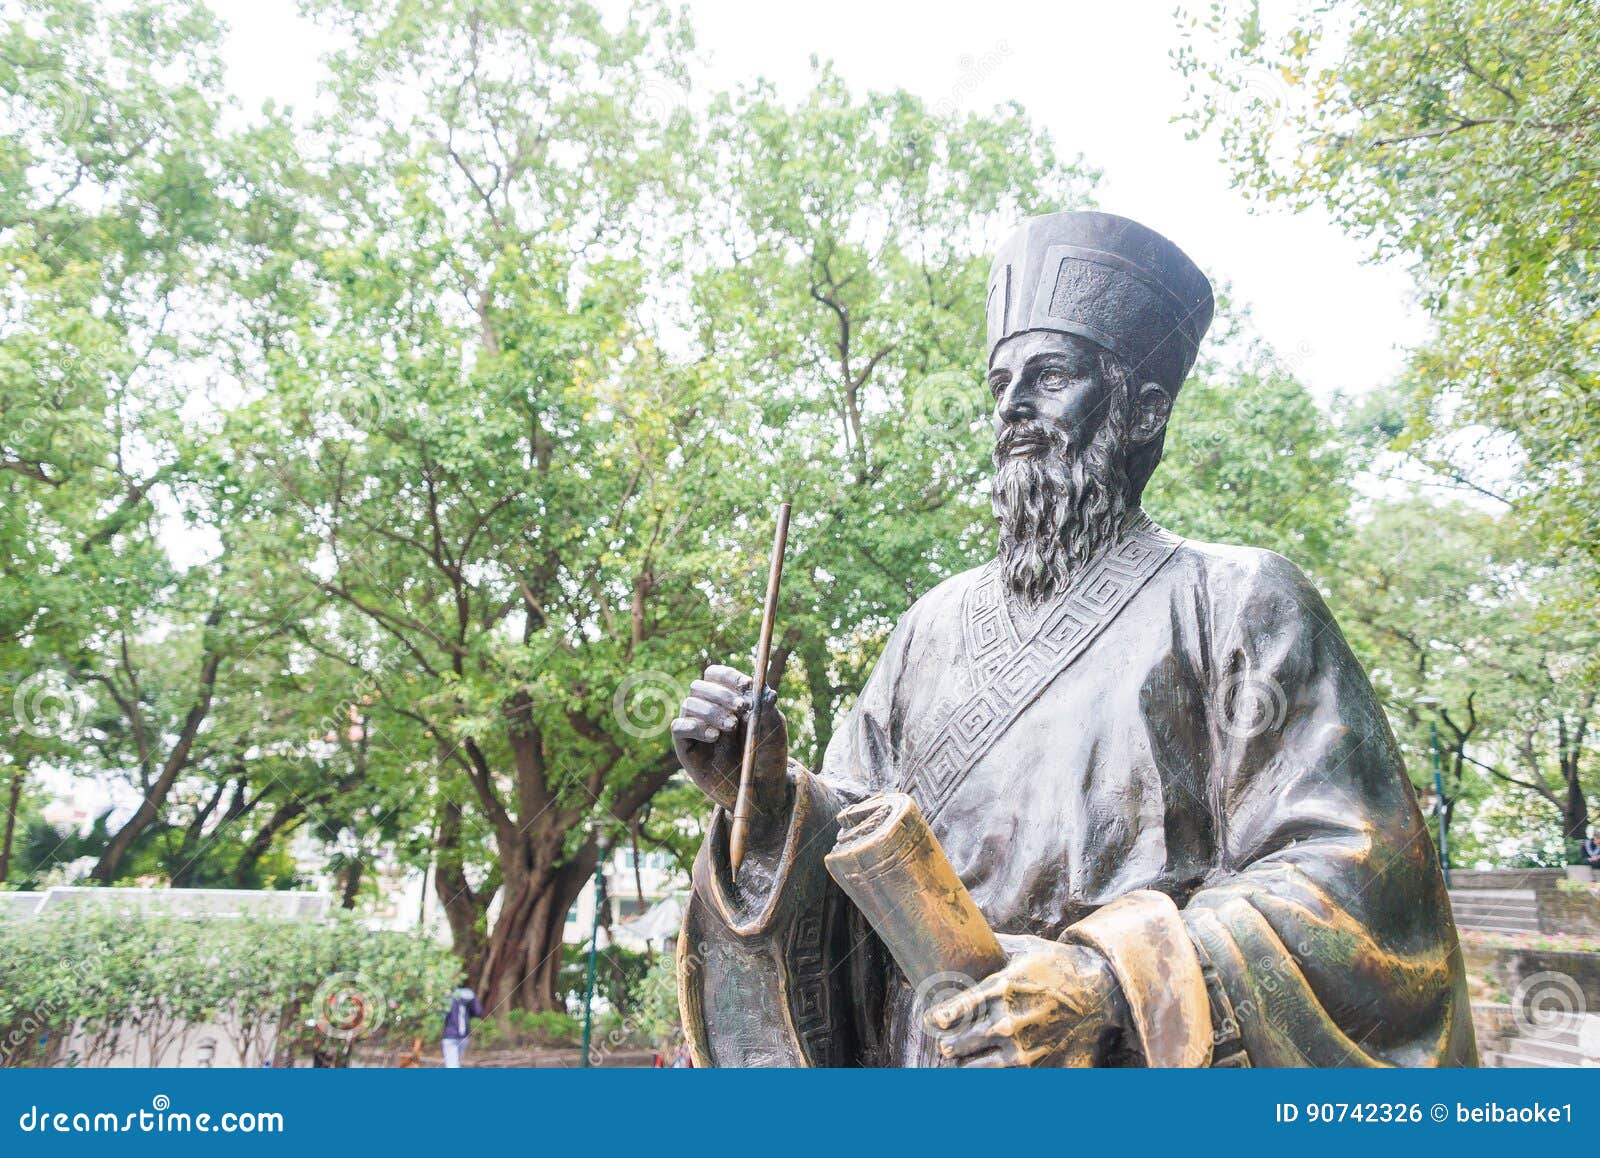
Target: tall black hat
1107,279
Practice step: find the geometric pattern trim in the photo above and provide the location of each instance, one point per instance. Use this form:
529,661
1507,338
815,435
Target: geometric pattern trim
1010,670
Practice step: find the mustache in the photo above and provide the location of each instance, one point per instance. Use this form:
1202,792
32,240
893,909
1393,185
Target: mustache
1026,435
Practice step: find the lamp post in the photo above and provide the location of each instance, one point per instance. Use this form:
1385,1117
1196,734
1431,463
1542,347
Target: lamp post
1438,788
594,944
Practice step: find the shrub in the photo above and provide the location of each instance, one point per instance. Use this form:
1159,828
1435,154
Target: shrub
299,989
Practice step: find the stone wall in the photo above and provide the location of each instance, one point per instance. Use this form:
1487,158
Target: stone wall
1550,972
1561,911
1540,880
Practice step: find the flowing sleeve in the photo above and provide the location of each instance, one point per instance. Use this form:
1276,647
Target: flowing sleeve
778,968
1324,931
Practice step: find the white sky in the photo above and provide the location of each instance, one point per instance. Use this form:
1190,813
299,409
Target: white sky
1096,75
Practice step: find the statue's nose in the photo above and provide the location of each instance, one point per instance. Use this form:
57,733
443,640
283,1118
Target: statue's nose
1016,405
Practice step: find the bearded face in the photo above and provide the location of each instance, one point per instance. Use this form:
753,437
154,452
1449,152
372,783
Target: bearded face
1062,488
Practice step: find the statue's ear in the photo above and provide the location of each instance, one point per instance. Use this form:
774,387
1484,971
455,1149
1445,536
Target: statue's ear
1152,407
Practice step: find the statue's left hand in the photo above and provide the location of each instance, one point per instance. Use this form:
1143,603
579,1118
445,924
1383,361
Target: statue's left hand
1052,1005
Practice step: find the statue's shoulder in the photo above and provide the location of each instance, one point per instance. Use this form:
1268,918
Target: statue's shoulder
950,593
942,604
1251,581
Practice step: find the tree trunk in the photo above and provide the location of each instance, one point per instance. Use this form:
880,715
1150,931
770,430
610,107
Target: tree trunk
524,960
1574,804
18,775
1574,811
149,809
350,882
280,821
463,909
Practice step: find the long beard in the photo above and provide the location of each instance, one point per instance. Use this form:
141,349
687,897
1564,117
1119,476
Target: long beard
1057,507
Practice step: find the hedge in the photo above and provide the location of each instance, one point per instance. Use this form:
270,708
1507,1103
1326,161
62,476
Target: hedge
305,991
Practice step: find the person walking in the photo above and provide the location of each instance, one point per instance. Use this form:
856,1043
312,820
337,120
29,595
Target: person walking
464,1006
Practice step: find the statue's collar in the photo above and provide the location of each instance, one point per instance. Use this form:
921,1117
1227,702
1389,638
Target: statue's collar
1024,617
1006,670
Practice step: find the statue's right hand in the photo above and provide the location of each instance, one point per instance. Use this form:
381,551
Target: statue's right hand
708,736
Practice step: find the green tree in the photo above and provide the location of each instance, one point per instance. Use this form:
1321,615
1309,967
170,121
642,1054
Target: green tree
1460,137
490,458
1454,614
1250,457
112,217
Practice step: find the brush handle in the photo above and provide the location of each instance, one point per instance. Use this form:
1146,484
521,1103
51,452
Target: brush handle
739,831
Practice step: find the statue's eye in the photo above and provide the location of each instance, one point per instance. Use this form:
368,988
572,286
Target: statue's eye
1051,379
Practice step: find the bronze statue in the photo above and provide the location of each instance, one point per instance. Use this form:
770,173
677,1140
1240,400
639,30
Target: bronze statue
1152,764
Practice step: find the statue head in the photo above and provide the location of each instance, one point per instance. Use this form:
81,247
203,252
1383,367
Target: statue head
1094,323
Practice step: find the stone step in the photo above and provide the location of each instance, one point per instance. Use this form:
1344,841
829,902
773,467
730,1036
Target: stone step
1532,879
1508,920
1494,907
1578,1031
1527,896
1509,903
1496,910
1473,906
1556,1052
1497,925
1512,1059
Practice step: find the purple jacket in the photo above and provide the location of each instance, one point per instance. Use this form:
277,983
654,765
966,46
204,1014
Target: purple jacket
464,1006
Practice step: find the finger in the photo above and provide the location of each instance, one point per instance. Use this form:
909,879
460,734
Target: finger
993,1060
961,1008
687,729
728,677
715,715
717,694
984,1035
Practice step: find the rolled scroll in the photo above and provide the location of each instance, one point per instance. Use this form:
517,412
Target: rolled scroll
889,863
